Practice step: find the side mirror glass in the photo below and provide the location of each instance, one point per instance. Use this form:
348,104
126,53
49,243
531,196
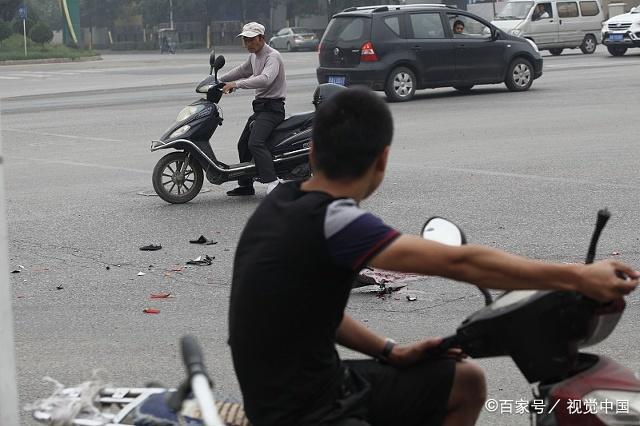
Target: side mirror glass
443,231
218,63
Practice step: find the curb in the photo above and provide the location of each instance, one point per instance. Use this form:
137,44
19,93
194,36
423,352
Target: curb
51,60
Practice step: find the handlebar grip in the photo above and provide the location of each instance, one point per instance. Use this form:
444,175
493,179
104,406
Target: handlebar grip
192,356
446,344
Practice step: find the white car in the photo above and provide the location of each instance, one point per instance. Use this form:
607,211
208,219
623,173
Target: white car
622,32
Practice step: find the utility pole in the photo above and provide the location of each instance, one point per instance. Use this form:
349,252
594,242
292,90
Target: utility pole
8,388
171,13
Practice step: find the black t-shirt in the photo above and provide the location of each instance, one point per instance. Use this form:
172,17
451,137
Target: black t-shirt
294,265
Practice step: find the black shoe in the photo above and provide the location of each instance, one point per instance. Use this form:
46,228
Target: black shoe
242,190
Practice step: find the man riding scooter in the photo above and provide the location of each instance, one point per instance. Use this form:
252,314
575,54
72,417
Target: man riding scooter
264,72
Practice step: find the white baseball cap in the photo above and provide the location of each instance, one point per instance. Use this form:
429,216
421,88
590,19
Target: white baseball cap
251,30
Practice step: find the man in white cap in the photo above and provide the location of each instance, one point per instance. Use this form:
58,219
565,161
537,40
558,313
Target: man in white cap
264,72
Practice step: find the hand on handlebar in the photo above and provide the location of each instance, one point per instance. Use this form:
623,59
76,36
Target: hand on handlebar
229,87
403,355
607,280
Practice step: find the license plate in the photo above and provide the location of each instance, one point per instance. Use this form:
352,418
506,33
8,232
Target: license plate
337,79
616,37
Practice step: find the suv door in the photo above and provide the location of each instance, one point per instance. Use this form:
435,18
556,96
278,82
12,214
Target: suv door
342,41
542,28
479,58
431,49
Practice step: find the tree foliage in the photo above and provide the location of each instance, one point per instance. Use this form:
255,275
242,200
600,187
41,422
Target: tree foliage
5,31
41,33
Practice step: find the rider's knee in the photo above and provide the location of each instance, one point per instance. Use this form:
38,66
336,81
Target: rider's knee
471,378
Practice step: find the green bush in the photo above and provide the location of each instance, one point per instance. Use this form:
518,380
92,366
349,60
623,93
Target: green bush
16,42
18,28
41,33
5,31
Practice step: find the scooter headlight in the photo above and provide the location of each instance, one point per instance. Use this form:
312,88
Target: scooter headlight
188,111
613,407
180,131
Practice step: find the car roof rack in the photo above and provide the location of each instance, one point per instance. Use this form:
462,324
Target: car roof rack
385,8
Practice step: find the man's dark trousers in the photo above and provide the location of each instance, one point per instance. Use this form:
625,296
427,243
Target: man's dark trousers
267,114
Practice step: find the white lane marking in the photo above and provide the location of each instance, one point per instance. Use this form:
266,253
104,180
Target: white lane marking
5,77
74,163
517,175
62,136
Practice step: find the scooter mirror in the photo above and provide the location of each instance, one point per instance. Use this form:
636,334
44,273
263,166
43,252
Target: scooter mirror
443,231
218,63
212,58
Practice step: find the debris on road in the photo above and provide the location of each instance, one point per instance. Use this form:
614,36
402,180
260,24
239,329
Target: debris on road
385,290
411,298
151,311
151,247
203,240
160,295
201,260
59,287
141,273
615,253
15,271
372,276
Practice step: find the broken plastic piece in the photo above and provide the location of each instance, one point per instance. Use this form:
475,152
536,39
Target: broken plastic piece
15,271
201,260
203,240
141,273
151,311
160,295
615,253
59,287
151,247
411,298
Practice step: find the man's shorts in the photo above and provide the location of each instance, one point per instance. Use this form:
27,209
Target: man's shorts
382,395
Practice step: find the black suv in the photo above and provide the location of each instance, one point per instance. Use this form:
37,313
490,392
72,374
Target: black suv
399,49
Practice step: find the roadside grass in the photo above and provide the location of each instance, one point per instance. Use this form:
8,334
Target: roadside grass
12,49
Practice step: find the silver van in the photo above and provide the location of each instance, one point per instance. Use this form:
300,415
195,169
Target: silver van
554,25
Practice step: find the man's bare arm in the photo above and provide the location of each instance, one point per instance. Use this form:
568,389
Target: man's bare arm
492,268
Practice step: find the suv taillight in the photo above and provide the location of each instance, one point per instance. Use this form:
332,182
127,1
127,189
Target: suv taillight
368,53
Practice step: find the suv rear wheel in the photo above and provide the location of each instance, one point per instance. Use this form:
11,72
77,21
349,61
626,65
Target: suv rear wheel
589,44
617,50
401,85
519,76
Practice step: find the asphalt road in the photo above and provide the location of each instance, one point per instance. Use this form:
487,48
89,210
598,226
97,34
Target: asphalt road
525,172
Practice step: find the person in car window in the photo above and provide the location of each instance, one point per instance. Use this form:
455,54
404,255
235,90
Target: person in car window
264,72
539,13
458,27
295,262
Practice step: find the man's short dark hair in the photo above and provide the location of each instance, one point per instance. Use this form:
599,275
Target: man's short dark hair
350,130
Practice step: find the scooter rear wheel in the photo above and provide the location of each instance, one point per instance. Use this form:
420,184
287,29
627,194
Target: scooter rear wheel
174,185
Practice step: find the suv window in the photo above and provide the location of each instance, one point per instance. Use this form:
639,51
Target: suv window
567,9
589,8
463,26
393,23
427,25
347,29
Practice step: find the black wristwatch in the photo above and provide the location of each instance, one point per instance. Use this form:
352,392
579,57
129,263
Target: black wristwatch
386,350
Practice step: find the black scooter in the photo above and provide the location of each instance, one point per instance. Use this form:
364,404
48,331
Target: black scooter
178,176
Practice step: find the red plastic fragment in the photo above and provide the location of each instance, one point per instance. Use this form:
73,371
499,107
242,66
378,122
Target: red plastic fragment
160,295
151,311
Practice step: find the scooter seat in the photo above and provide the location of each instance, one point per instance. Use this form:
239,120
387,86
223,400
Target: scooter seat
294,122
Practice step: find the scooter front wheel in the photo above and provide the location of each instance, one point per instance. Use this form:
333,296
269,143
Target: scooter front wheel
177,178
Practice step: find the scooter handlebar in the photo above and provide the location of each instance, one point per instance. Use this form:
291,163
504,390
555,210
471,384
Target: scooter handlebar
192,356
